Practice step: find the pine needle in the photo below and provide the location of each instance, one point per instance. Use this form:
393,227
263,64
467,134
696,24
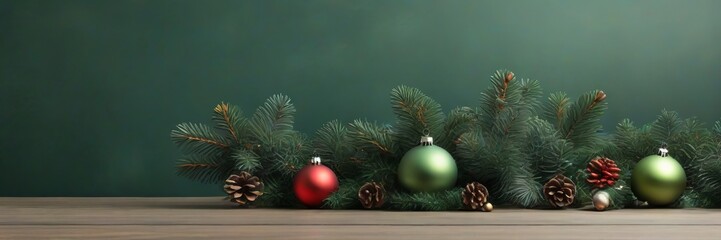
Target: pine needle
228,119
583,119
273,120
667,126
372,138
198,139
203,169
417,115
425,201
556,109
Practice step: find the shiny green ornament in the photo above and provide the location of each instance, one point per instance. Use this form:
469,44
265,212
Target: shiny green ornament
658,179
427,168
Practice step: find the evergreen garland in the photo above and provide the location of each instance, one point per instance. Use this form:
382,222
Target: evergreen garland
265,145
693,146
512,143
492,152
372,152
708,170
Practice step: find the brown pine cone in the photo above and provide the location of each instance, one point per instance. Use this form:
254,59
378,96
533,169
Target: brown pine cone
474,195
371,195
243,188
602,172
560,191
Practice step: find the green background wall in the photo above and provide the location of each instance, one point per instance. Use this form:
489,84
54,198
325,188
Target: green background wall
89,90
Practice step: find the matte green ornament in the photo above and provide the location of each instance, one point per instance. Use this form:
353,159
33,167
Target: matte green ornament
658,179
427,168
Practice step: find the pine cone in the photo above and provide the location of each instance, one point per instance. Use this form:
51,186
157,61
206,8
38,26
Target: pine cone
371,195
243,188
474,195
602,172
560,191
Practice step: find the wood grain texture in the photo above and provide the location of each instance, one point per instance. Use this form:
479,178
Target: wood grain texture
192,218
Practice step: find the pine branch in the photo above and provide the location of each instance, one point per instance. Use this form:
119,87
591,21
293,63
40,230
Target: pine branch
505,108
626,132
423,201
228,119
523,190
499,166
379,171
717,130
470,152
690,141
500,162
692,199
459,121
622,195
332,142
370,137
548,153
511,126
667,126
198,139
684,138
278,193
288,157
346,197
245,160
708,176
503,89
206,170
502,92
556,109
633,143
695,130
416,113
266,145
273,120
583,119
530,92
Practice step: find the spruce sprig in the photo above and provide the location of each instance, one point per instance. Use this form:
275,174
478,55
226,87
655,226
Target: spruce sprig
265,145
417,115
492,153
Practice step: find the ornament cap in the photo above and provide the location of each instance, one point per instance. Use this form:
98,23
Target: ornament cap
426,141
315,161
663,150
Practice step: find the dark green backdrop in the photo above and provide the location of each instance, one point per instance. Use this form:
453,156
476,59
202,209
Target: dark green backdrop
90,90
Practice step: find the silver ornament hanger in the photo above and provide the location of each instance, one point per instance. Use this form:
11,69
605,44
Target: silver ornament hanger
315,160
663,151
426,140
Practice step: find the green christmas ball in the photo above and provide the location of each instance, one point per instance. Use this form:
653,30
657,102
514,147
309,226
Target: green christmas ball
658,180
427,169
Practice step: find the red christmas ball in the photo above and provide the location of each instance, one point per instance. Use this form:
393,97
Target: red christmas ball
314,183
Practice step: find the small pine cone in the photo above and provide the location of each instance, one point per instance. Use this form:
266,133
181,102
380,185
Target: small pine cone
371,195
602,172
474,195
560,191
243,188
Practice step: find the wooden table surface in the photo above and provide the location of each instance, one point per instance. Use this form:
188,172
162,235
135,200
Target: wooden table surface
212,218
